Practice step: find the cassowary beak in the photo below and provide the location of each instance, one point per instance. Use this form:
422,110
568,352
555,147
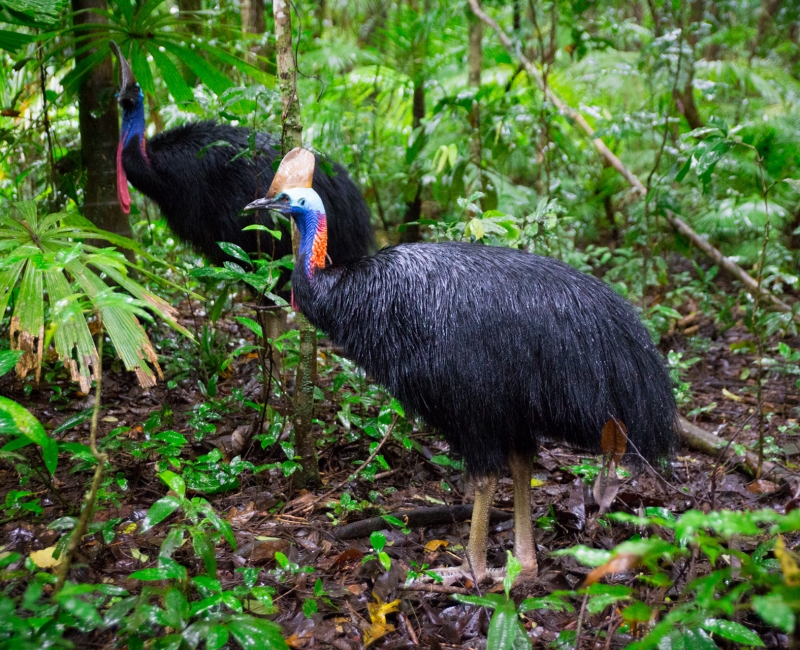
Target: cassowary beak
277,204
126,72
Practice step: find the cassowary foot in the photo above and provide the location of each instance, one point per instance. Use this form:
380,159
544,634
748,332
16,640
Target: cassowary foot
449,575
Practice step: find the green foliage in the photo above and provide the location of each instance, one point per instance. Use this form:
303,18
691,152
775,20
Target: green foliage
49,261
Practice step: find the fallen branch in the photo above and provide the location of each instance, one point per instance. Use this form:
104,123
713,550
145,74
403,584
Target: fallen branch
418,518
673,219
699,439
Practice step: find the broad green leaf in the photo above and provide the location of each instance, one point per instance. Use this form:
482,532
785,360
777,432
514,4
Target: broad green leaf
8,359
492,601
545,602
175,482
234,251
706,164
503,628
256,634
775,611
204,547
83,611
252,325
159,511
17,420
698,640
732,631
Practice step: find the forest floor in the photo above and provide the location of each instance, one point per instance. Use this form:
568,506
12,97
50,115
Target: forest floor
268,514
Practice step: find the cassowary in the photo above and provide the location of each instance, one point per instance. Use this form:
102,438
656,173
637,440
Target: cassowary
496,348
200,180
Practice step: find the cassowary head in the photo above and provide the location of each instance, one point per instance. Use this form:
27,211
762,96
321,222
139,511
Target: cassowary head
304,206
131,99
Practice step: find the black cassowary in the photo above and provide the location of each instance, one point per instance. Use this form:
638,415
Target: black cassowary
200,181
497,348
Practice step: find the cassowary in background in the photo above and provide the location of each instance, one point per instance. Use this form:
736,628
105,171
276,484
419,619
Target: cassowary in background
201,184
497,348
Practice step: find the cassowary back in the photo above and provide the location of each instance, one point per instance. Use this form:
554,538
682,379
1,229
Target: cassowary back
199,180
497,348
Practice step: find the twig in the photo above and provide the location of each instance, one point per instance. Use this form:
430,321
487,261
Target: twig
437,589
351,477
579,627
91,495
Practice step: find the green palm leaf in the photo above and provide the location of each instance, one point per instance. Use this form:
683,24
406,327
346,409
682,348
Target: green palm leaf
48,253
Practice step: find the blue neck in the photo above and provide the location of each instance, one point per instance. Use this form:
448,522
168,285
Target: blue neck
307,225
133,121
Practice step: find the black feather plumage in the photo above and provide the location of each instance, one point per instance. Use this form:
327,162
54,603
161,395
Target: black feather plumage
497,348
200,180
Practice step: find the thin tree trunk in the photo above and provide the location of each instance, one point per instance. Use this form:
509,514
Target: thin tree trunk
414,207
475,58
684,97
292,136
253,22
768,10
99,127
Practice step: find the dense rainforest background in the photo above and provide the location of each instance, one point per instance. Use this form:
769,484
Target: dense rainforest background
171,478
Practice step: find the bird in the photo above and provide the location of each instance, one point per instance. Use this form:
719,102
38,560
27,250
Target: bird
197,175
496,348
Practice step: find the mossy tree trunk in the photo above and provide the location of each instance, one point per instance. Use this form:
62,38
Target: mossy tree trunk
292,136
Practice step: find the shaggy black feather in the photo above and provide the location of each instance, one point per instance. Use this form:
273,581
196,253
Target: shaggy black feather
201,195
497,348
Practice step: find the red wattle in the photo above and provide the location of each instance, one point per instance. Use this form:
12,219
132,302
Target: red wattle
122,184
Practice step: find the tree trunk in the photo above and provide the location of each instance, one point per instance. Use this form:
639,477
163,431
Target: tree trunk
474,58
414,207
684,97
99,127
768,10
292,136
253,22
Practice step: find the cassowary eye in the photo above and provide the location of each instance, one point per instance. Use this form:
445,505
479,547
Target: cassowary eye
301,202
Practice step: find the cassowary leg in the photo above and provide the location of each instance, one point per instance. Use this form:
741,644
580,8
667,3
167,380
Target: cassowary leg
479,528
524,549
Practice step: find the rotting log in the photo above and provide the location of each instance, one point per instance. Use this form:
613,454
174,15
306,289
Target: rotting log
698,439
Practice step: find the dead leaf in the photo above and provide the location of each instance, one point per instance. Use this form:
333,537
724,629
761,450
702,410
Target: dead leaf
617,564
762,486
535,482
296,170
614,440
377,615
266,547
44,559
350,555
788,560
239,518
730,395
606,486
435,545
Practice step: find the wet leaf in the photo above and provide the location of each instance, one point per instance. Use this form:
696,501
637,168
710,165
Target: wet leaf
732,631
